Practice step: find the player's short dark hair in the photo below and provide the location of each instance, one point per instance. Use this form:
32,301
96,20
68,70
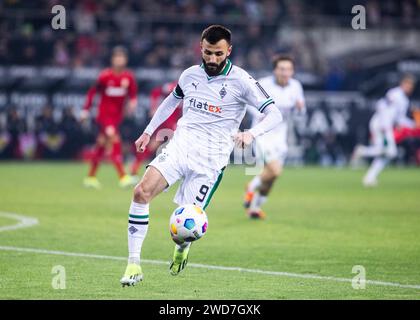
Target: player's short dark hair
282,57
215,33
119,50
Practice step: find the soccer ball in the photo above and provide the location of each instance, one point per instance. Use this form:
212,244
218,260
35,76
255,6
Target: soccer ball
188,223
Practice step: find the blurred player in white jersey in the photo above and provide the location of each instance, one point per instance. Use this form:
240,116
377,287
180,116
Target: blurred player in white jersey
214,96
271,148
391,110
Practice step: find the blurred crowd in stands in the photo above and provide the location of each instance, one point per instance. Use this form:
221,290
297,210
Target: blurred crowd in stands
163,33
52,135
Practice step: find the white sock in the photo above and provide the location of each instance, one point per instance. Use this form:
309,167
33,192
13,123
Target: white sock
257,201
138,223
375,168
254,184
261,200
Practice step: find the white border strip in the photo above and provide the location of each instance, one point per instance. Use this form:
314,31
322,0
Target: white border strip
204,266
23,221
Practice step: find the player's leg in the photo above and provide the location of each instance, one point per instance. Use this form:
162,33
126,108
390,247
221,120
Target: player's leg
272,148
161,173
116,156
272,170
250,190
149,187
371,177
376,147
379,163
98,153
198,189
261,151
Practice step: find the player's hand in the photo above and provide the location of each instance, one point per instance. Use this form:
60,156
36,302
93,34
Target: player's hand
300,105
84,115
243,139
142,142
132,105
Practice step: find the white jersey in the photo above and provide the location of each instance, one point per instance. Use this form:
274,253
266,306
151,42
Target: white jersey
392,109
285,97
273,145
213,110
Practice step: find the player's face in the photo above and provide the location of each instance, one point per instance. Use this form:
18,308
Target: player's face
215,55
283,71
408,86
119,61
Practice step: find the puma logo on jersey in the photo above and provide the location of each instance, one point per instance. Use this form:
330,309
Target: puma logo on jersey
204,106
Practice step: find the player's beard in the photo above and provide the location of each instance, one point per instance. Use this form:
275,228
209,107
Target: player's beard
213,69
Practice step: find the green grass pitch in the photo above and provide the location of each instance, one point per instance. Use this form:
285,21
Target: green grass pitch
320,222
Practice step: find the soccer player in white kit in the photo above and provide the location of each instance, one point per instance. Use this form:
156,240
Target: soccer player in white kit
214,96
271,148
391,110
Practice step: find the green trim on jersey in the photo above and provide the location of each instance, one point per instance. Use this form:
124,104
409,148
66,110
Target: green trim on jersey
226,70
269,101
175,95
213,190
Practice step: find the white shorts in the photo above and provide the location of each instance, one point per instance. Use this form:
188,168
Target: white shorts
196,187
272,146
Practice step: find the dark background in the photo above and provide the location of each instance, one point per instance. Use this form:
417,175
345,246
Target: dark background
45,73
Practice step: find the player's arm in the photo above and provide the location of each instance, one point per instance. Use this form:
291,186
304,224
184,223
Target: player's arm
402,119
273,118
84,114
132,95
401,106
255,95
254,112
300,101
165,109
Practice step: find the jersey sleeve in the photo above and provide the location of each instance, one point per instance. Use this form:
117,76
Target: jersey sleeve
178,92
300,96
132,88
97,86
393,97
254,94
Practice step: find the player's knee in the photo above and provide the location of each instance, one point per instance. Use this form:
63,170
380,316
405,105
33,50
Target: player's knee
274,171
142,193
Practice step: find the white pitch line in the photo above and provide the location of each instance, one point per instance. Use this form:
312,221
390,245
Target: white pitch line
205,266
23,221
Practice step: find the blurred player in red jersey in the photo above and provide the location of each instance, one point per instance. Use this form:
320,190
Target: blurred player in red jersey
114,85
165,130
